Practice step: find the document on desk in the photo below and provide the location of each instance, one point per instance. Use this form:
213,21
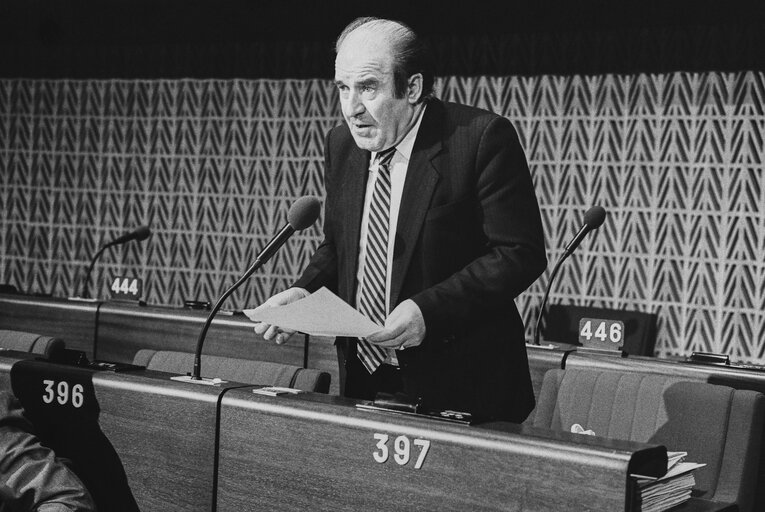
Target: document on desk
320,314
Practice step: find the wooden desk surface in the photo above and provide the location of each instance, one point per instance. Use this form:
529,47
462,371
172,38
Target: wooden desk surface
312,452
72,321
164,433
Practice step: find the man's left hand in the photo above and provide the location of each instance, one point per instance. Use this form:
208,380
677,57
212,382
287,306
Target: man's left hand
404,328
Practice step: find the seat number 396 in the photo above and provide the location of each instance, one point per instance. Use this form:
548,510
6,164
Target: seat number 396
61,393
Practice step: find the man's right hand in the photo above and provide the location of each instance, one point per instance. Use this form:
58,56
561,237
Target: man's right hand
269,331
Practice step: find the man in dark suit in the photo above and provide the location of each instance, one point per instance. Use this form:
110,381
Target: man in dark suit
459,234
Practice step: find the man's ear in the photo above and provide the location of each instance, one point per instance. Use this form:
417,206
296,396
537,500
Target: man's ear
414,88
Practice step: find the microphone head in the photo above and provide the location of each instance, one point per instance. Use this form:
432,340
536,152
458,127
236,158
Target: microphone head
142,233
594,217
303,212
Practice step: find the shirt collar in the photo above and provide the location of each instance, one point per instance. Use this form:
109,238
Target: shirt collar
405,147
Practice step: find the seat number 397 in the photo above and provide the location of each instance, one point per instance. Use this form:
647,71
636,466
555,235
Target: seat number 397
402,448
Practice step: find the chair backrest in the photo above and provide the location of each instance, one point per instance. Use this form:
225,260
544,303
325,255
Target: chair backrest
561,323
716,425
30,342
240,370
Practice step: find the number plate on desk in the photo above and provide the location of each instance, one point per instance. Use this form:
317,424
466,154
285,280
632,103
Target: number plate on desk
601,334
126,288
53,393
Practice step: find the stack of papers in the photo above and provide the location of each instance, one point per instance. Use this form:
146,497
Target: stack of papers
661,493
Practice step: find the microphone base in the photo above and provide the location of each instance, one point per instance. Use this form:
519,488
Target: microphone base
204,381
597,350
548,346
82,299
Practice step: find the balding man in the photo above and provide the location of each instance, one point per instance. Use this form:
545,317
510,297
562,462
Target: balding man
431,228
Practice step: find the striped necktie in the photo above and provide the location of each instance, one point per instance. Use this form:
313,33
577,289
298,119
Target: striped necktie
374,278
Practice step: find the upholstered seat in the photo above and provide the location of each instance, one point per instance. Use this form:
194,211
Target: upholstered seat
239,370
716,425
30,342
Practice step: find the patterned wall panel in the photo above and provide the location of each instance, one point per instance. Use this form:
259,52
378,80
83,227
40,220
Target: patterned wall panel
213,166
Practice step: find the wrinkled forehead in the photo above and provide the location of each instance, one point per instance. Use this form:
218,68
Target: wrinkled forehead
364,51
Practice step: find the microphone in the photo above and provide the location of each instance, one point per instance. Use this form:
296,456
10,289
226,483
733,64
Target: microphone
139,234
302,214
593,218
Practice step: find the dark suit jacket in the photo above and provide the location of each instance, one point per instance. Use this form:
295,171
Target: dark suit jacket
469,240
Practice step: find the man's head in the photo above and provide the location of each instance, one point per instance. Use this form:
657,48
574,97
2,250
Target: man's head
383,76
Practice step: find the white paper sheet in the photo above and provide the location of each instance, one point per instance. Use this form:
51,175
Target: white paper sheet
320,314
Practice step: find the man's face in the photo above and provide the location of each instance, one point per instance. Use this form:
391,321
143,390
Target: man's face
364,78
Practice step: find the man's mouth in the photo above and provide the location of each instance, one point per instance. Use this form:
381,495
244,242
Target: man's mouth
358,122
362,128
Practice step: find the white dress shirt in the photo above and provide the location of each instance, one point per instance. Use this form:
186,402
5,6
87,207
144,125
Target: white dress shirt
398,167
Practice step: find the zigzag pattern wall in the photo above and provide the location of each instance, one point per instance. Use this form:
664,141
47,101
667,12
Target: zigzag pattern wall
213,166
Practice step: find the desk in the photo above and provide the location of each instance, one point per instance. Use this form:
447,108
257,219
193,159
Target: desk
115,331
164,433
153,444
72,321
313,452
125,328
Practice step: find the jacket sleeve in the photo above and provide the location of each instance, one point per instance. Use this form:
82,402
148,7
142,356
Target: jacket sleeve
32,478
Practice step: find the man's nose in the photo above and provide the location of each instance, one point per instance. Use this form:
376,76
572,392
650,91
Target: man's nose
353,105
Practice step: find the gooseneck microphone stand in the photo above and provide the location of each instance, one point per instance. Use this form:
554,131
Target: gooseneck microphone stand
593,218
302,214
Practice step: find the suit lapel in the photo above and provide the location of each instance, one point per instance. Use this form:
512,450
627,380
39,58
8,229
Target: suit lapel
354,190
421,179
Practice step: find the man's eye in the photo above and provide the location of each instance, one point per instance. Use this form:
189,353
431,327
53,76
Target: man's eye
367,88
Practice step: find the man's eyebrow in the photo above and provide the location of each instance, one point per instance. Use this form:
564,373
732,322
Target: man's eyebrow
369,81
360,83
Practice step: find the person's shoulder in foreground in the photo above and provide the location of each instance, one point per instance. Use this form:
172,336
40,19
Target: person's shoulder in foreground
32,478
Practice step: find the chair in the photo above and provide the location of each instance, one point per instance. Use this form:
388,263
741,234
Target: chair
8,289
29,342
562,325
239,370
716,425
